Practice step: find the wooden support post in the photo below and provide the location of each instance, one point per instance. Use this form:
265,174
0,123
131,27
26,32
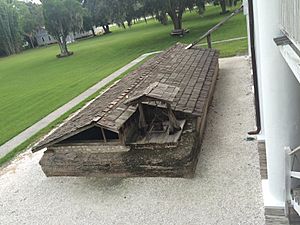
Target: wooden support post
174,124
209,41
142,120
103,134
216,27
288,168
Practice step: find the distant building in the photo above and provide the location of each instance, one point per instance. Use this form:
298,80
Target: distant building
44,38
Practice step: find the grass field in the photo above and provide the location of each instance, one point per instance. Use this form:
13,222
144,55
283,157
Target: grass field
5,159
35,83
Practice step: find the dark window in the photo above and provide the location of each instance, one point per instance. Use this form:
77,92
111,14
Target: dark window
49,38
43,39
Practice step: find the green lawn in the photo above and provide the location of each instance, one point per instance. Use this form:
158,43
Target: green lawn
35,83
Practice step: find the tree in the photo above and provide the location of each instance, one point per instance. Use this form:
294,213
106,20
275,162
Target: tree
61,18
118,12
31,19
174,8
10,28
132,10
224,4
88,24
100,13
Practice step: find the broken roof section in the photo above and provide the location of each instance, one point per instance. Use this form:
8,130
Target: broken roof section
187,72
155,92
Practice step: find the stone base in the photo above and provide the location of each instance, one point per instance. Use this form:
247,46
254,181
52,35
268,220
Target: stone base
164,161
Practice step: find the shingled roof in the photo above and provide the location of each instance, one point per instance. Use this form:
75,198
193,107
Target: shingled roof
188,72
156,91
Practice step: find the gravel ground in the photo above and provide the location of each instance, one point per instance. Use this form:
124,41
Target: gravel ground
226,189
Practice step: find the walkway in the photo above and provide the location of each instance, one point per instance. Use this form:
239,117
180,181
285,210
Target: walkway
226,189
26,134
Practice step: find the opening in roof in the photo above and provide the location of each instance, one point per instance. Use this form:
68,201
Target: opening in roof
110,135
155,125
93,134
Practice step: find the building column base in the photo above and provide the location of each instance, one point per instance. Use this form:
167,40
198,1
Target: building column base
269,199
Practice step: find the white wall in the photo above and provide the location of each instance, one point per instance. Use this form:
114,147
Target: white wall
280,94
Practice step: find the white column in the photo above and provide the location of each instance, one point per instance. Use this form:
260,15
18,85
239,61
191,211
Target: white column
280,93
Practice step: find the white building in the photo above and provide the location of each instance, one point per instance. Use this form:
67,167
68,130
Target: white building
277,50
44,38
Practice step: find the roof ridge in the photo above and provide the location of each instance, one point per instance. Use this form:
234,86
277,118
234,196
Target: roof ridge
125,93
107,109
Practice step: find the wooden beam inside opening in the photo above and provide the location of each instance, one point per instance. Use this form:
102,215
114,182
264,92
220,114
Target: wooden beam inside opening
174,124
142,120
103,134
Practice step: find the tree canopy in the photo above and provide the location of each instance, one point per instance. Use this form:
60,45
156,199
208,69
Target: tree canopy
10,28
18,20
98,13
61,18
31,20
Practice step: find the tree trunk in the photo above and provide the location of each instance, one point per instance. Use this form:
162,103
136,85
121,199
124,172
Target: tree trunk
129,22
106,29
63,47
93,31
223,6
31,42
60,47
177,22
28,38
